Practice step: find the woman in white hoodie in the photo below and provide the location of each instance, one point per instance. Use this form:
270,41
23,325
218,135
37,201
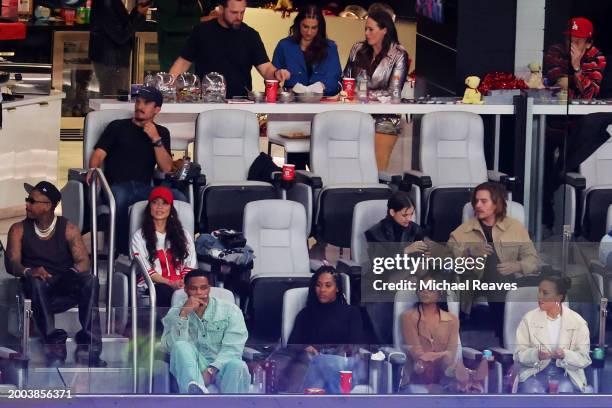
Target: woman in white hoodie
552,343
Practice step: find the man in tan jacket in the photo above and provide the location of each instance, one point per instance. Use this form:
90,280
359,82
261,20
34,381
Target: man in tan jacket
501,240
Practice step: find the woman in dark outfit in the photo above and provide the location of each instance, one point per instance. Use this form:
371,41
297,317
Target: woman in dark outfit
394,234
324,337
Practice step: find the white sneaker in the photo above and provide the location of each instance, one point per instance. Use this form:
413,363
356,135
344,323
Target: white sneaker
196,389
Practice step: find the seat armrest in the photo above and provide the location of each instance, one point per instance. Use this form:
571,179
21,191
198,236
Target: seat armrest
77,174
250,354
502,355
349,267
315,264
595,266
471,353
509,182
418,178
389,178
394,356
308,178
575,180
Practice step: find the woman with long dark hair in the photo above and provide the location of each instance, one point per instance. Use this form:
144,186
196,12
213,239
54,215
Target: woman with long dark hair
308,54
163,246
386,62
431,335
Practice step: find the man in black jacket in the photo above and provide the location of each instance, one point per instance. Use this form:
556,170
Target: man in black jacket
111,40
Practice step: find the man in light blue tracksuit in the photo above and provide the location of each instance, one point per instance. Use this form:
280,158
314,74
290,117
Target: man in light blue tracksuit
205,338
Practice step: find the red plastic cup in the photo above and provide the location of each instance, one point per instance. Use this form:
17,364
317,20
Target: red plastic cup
69,16
288,172
553,386
271,90
348,84
346,382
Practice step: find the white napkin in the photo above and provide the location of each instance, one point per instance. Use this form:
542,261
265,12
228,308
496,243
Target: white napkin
317,87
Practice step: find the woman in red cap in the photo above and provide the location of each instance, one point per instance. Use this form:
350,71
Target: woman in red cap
165,248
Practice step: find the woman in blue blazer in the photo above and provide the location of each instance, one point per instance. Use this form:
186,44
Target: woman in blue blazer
308,54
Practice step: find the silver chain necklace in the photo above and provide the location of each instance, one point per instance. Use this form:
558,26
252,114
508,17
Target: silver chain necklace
45,233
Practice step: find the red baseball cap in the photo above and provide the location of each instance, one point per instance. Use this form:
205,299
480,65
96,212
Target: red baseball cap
162,192
580,27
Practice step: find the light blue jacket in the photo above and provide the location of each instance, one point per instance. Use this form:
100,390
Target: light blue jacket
288,55
219,336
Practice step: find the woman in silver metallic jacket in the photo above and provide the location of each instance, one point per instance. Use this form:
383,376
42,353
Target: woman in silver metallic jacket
386,63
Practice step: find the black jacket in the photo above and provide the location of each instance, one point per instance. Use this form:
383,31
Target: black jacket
112,32
382,241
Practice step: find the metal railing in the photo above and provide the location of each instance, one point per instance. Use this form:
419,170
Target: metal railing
135,266
98,176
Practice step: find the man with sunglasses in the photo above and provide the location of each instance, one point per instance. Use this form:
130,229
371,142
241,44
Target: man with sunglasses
48,253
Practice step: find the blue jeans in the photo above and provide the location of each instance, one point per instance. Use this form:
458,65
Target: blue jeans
324,372
126,194
232,378
538,384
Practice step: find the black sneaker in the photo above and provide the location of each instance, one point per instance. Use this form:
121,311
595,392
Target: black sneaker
55,354
83,356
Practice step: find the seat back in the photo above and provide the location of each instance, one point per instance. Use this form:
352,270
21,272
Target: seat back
366,215
184,211
342,148
227,143
95,123
515,210
518,302
597,169
609,219
294,300
179,297
452,150
276,230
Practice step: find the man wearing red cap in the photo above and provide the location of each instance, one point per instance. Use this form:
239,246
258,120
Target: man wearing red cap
578,69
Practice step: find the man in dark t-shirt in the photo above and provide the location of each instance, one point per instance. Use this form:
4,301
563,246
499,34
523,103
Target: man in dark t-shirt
129,150
228,46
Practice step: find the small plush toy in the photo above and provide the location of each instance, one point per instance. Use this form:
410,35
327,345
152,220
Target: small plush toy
472,95
535,79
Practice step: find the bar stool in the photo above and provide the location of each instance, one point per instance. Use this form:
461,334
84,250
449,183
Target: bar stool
289,123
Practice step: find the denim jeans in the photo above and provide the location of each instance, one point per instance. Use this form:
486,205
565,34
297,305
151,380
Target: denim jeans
232,378
126,194
538,384
324,372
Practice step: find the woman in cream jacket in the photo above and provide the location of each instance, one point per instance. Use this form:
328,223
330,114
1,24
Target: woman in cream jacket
552,343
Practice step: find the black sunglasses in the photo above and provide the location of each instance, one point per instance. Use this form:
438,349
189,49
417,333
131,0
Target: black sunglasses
33,201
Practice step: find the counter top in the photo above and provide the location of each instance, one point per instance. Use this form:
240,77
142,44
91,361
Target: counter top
32,99
372,108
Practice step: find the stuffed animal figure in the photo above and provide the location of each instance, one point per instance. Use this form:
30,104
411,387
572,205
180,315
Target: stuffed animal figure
472,95
535,78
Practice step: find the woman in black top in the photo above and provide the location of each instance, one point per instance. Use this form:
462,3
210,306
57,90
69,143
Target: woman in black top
396,233
324,337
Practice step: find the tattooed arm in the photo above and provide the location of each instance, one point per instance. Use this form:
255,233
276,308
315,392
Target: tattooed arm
79,252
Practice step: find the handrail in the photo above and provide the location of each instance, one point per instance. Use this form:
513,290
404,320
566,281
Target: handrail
98,175
133,282
27,314
152,315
